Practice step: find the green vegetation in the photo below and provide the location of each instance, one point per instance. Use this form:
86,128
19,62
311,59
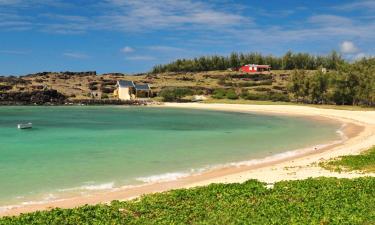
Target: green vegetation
364,162
231,94
222,93
174,94
350,84
287,62
268,96
311,201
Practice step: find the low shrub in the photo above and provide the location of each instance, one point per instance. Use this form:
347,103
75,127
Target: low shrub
174,94
278,87
219,93
231,94
261,89
270,96
222,93
93,88
107,90
255,83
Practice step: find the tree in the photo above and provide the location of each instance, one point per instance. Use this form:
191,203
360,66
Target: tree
299,85
288,63
319,83
234,60
334,60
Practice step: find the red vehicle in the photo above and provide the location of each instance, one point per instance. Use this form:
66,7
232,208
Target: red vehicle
252,68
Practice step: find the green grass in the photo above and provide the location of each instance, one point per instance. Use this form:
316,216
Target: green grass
364,162
310,201
254,102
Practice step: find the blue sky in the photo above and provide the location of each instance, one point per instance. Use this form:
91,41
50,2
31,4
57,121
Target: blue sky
131,36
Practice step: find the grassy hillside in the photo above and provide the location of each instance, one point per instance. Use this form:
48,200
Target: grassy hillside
80,86
311,201
343,83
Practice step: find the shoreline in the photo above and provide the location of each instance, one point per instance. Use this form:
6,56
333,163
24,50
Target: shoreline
359,129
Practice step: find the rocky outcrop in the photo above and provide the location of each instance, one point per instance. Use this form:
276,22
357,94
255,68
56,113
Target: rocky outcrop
47,97
110,102
5,87
12,80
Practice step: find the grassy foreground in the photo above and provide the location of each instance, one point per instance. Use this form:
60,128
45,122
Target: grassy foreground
364,162
310,201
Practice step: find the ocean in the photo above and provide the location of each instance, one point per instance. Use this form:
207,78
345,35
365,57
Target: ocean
76,150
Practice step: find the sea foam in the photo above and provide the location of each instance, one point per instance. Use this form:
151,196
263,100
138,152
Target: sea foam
91,187
163,177
46,199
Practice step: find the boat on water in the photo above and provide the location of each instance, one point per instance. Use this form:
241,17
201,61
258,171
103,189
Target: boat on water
25,126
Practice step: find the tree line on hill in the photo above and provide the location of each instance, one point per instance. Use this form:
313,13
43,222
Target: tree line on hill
349,84
288,61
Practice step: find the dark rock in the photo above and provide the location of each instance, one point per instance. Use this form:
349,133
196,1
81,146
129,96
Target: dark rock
32,98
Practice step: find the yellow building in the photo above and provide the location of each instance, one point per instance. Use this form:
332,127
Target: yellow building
127,90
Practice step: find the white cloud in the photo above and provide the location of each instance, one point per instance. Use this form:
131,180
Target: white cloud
204,22
65,28
326,29
358,4
163,48
153,15
348,47
127,49
327,19
11,21
76,55
125,16
63,17
140,58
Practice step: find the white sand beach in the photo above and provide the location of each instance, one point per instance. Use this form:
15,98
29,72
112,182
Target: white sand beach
359,130
359,138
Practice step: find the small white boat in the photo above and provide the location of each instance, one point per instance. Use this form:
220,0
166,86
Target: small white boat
25,126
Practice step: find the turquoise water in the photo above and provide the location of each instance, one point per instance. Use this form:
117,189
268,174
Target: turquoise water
81,149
